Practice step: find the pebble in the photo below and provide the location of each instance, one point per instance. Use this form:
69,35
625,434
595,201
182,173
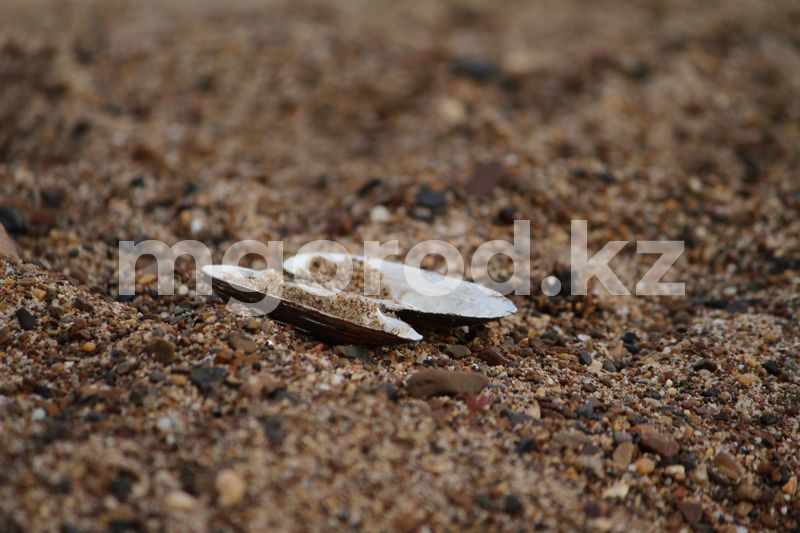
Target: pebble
238,341
380,215
458,351
492,357
162,349
485,178
743,509
645,466
584,358
661,443
178,500
206,377
790,487
436,382
89,347
623,455
747,379
748,491
231,488
726,465
26,320
692,512
772,368
704,364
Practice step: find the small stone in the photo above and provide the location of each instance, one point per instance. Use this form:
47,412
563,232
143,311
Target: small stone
692,512
623,455
388,390
380,215
525,445
772,367
436,382
747,379
609,366
26,320
162,349
89,347
157,377
126,367
630,337
431,199
231,488
238,341
584,358
743,509
178,500
458,351
790,487
748,491
704,364
492,357
5,335
39,294
352,351
676,471
645,466
485,178
661,443
618,490
512,505
206,377
476,68
53,196
586,410
726,465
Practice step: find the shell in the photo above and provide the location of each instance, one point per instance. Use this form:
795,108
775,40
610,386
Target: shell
467,304
325,326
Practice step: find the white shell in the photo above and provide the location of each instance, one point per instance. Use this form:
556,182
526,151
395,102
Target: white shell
466,300
313,320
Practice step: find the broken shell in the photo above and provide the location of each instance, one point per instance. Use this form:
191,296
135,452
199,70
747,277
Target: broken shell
465,304
372,327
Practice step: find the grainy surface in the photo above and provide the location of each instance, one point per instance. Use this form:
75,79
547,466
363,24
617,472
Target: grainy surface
409,121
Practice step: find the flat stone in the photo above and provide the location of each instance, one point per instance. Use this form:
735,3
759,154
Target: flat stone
623,455
458,351
162,349
231,488
747,491
661,443
692,512
26,320
238,341
584,358
645,466
437,382
725,464
7,247
206,377
492,357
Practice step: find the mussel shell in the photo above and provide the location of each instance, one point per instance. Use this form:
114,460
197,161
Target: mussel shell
469,304
329,328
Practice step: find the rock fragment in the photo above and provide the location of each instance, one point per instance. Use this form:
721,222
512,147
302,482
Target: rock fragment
437,382
231,488
238,341
661,443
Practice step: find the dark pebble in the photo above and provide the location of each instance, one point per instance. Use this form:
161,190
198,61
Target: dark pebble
389,390
478,69
42,390
492,357
512,505
586,410
12,219
206,377
272,430
53,196
431,199
26,320
704,364
157,377
584,357
525,445
767,419
630,338
609,366
632,348
772,368
516,419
